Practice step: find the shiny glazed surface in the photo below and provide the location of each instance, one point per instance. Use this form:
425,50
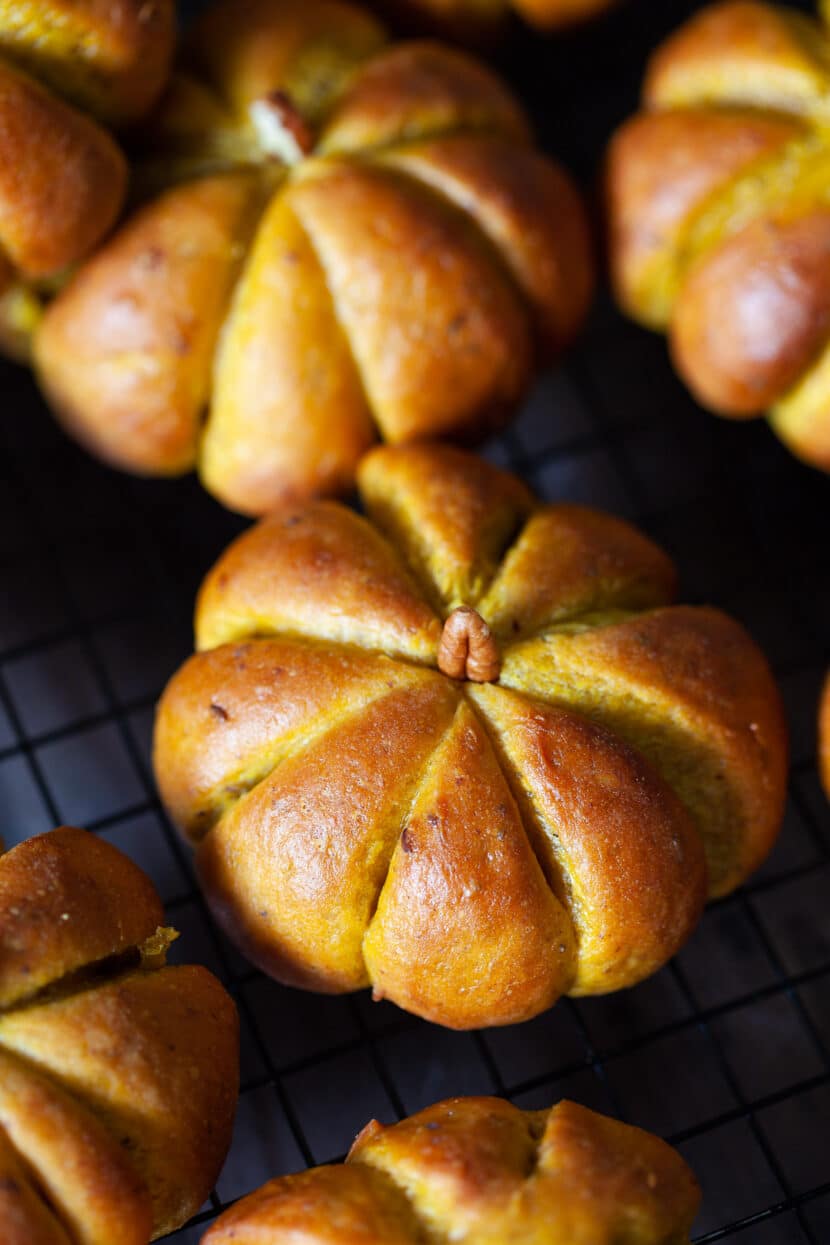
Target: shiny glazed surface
480,1172
345,240
720,218
118,1074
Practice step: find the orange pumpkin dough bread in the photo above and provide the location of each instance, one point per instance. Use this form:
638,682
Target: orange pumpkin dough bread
464,749
69,70
118,1074
719,214
480,1171
351,239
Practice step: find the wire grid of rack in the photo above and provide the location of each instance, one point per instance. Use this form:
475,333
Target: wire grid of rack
727,1051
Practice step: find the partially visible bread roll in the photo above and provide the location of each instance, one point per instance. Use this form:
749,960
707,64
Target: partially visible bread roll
69,70
352,240
118,1074
719,219
480,1171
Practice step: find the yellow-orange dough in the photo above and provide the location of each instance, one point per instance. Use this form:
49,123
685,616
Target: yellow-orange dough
482,1172
472,850
118,1074
719,214
68,69
351,239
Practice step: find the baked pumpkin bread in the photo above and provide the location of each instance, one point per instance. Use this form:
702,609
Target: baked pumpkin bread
361,241
464,749
118,1075
480,1171
720,215
69,69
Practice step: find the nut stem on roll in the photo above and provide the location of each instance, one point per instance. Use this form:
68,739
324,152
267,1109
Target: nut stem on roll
281,128
468,649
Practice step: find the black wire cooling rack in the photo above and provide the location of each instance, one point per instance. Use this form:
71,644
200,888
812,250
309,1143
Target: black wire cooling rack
727,1051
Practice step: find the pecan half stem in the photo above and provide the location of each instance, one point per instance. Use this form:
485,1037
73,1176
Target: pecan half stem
468,649
281,128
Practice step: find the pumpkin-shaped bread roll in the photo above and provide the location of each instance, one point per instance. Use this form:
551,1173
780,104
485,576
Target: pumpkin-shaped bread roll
118,1075
464,749
68,69
720,214
480,1171
351,239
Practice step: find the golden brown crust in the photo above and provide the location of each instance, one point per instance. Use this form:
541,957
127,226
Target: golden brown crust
463,875
738,51
66,66
320,571
62,178
572,777
324,1206
301,907
96,1193
517,198
25,1216
233,712
117,1074
451,515
411,159
416,91
133,339
690,690
480,1170
753,316
470,850
153,1055
67,901
246,48
111,59
718,217
265,444
661,168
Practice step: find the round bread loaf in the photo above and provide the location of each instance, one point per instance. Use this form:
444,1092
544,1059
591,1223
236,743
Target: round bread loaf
464,750
720,215
68,68
118,1075
351,239
481,1171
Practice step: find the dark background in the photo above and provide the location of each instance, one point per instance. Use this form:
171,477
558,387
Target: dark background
727,1051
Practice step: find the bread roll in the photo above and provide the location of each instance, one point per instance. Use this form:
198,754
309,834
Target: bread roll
118,1074
479,1170
349,239
719,217
69,70
464,749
